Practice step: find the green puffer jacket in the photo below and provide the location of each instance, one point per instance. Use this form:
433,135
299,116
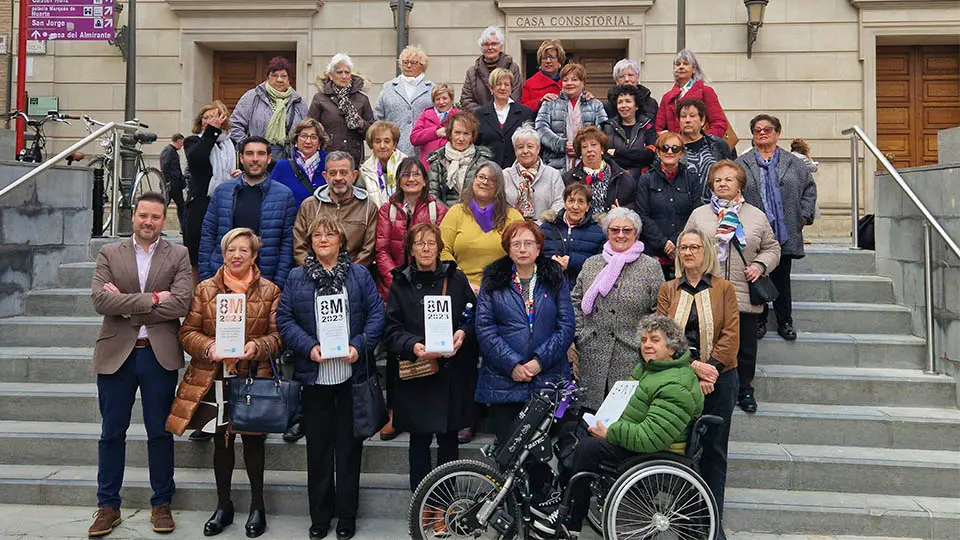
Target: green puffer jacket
661,411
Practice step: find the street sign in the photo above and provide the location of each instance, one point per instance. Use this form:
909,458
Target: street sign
71,20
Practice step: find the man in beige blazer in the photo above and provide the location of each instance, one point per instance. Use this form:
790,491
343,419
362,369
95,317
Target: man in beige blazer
142,286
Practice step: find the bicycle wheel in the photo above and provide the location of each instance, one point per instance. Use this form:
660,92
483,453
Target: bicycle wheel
441,506
150,179
660,500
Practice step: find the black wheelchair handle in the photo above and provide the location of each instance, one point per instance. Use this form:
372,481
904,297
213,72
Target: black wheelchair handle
711,419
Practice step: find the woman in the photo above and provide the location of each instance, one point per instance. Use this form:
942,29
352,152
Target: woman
341,105
452,166
303,173
270,109
472,229
440,404
405,97
572,235
429,133
326,396
689,81
631,134
610,185
500,118
559,121
410,205
613,290
666,196
378,173
740,228
705,307
701,149
532,186
544,86
211,157
238,275
626,72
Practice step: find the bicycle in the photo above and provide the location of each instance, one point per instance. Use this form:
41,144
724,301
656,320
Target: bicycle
36,153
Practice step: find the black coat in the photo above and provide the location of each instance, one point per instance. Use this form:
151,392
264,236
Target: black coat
664,206
200,171
622,189
442,402
634,155
497,139
646,109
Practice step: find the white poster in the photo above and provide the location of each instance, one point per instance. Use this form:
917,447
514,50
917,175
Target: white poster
333,329
231,325
614,404
438,324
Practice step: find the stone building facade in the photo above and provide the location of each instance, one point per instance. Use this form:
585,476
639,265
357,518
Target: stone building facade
820,65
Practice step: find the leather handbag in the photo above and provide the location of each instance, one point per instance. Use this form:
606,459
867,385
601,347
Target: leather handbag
369,407
263,405
762,291
413,369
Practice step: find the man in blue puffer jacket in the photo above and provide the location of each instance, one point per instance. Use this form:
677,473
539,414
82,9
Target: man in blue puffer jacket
254,201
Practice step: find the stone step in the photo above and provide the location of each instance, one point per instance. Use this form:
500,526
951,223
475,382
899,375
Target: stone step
841,288
46,364
30,331
847,318
76,275
843,350
752,465
60,302
387,496
832,259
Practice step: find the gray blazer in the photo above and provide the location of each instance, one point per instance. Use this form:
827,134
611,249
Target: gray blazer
799,196
393,106
547,188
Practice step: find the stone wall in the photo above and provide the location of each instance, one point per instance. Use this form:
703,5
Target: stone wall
43,223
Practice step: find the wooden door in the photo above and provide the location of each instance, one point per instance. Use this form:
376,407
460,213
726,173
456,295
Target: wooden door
599,65
918,94
235,72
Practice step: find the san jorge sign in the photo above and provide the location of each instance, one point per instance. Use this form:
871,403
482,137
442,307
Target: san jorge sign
71,20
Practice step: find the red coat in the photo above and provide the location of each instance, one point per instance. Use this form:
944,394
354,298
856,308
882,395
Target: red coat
668,119
536,87
390,237
424,133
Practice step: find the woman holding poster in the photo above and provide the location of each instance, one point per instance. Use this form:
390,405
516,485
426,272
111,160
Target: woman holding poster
426,326
232,324
331,319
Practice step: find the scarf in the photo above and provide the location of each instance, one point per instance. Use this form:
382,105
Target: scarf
528,298
328,281
309,165
238,285
598,182
525,191
459,162
277,128
574,122
223,159
483,216
728,224
670,175
341,98
441,116
555,77
705,321
387,179
603,283
771,196
410,85
685,88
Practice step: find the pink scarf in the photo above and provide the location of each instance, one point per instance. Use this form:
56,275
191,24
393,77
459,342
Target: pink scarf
603,283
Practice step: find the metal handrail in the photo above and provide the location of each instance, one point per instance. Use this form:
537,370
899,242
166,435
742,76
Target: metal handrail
930,222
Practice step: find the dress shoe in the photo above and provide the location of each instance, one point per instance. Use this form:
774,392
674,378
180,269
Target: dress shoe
294,433
319,531
256,523
218,521
104,520
465,435
787,332
387,433
748,403
346,528
761,329
198,435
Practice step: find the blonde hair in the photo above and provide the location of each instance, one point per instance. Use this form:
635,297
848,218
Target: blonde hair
240,232
442,88
709,264
215,104
499,73
414,52
331,224
552,44
383,125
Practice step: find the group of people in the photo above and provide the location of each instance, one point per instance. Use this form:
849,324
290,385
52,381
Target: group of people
554,225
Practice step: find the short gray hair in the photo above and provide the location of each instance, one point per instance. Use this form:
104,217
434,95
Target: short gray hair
672,332
340,155
488,32
622,212
339,58
622,66
525,131
687,54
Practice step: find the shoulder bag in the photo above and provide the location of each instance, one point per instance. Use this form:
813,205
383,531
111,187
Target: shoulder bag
762,291
413,369
369,407
263,405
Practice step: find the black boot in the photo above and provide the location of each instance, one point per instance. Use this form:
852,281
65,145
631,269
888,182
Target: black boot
346,528
294,433
256,523
219,520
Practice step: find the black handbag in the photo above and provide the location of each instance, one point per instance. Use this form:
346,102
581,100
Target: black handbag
369,407
762,291
263,405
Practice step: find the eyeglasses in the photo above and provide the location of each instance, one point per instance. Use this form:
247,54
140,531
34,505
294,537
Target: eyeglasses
323,235
763,130
409,63
484,179
411,174
620,230
692,248
527,244
308,137
548,57
491,44
671,149
430,244
279,77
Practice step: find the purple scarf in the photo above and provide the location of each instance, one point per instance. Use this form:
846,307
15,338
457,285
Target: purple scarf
483,216
603,283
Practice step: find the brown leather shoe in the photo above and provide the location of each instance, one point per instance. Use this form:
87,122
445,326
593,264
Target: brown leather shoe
104,520
162,519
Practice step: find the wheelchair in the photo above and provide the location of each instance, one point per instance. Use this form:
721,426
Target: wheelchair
658,496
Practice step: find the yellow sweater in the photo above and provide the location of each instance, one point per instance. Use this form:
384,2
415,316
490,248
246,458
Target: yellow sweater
466,243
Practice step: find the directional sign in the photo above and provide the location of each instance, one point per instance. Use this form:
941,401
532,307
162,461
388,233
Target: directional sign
71,20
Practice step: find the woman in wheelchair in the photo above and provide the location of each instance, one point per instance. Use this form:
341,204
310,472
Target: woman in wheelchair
657,418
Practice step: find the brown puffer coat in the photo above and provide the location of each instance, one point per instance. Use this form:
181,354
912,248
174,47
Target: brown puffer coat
198,331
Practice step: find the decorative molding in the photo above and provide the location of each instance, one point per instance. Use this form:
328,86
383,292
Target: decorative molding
575,4
284,8
902,4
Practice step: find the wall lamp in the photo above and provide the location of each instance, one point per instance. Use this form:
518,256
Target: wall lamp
755,12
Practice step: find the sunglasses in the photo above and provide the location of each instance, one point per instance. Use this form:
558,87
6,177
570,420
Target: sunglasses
671,149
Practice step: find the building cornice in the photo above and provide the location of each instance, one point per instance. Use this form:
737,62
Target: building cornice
285,8
574,4
902,4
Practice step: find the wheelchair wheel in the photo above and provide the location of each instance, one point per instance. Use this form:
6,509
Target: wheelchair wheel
445,503
660,500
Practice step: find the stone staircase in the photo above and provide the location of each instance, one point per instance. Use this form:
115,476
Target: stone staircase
851,438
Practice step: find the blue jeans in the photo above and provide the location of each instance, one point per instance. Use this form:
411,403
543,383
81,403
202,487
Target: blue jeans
117,393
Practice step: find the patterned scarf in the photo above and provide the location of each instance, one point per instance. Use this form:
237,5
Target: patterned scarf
309,165
328,281
728,224
771,196
277,128
685,88
574,123
525,191
341,98
597,180
603,283
528,298
459,162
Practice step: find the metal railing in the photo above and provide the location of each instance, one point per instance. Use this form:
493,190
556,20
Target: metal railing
116,128
856,134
